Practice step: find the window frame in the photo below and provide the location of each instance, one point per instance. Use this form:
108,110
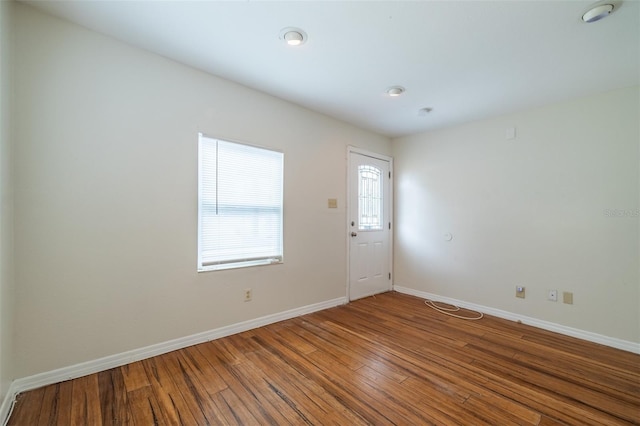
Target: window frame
239,262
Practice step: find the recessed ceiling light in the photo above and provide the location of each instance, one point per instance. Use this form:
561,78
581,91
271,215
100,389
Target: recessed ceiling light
598,12
293,36
395,91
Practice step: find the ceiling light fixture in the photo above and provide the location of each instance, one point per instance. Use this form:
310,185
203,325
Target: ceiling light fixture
395,91
293,36
599,11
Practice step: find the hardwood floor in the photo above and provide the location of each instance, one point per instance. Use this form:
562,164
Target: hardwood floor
387,359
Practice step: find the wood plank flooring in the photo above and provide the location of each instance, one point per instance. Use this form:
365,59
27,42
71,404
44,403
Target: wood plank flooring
383,360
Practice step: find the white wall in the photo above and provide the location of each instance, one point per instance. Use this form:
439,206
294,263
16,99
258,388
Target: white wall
105,197
6,204
530,211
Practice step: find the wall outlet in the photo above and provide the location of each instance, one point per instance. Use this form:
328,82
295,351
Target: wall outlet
248,293
552,295
567,297
520,292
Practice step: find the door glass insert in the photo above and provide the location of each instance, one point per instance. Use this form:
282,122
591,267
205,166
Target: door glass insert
369,198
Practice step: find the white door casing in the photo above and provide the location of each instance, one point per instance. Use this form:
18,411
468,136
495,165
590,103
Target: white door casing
369,223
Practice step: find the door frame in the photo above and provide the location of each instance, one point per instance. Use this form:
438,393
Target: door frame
355,150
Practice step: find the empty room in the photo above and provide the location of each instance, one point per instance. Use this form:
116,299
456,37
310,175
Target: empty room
367,212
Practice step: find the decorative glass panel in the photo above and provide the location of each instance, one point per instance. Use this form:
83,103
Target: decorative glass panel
369,198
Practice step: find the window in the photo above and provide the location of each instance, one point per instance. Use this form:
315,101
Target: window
239,205
369,198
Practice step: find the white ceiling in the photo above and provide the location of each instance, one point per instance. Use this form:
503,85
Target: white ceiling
465,59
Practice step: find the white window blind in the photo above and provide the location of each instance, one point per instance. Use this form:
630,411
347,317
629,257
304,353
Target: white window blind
239,205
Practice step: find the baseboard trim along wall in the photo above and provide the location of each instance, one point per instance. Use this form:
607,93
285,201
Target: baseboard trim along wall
112,361
7,403
545,325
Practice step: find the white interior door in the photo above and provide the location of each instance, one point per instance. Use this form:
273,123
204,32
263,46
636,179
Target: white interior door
369,225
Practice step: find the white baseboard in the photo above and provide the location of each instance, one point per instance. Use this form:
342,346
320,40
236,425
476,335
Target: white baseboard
112,361
7,403
546,325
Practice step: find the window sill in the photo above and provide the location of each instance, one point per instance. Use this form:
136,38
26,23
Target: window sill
238,265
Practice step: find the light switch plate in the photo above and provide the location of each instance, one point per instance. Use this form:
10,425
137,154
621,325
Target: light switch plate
510,133
567,297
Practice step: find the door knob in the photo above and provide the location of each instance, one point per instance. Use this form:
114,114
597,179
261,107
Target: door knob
353,234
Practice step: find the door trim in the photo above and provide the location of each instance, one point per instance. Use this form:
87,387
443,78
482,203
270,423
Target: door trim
355,150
